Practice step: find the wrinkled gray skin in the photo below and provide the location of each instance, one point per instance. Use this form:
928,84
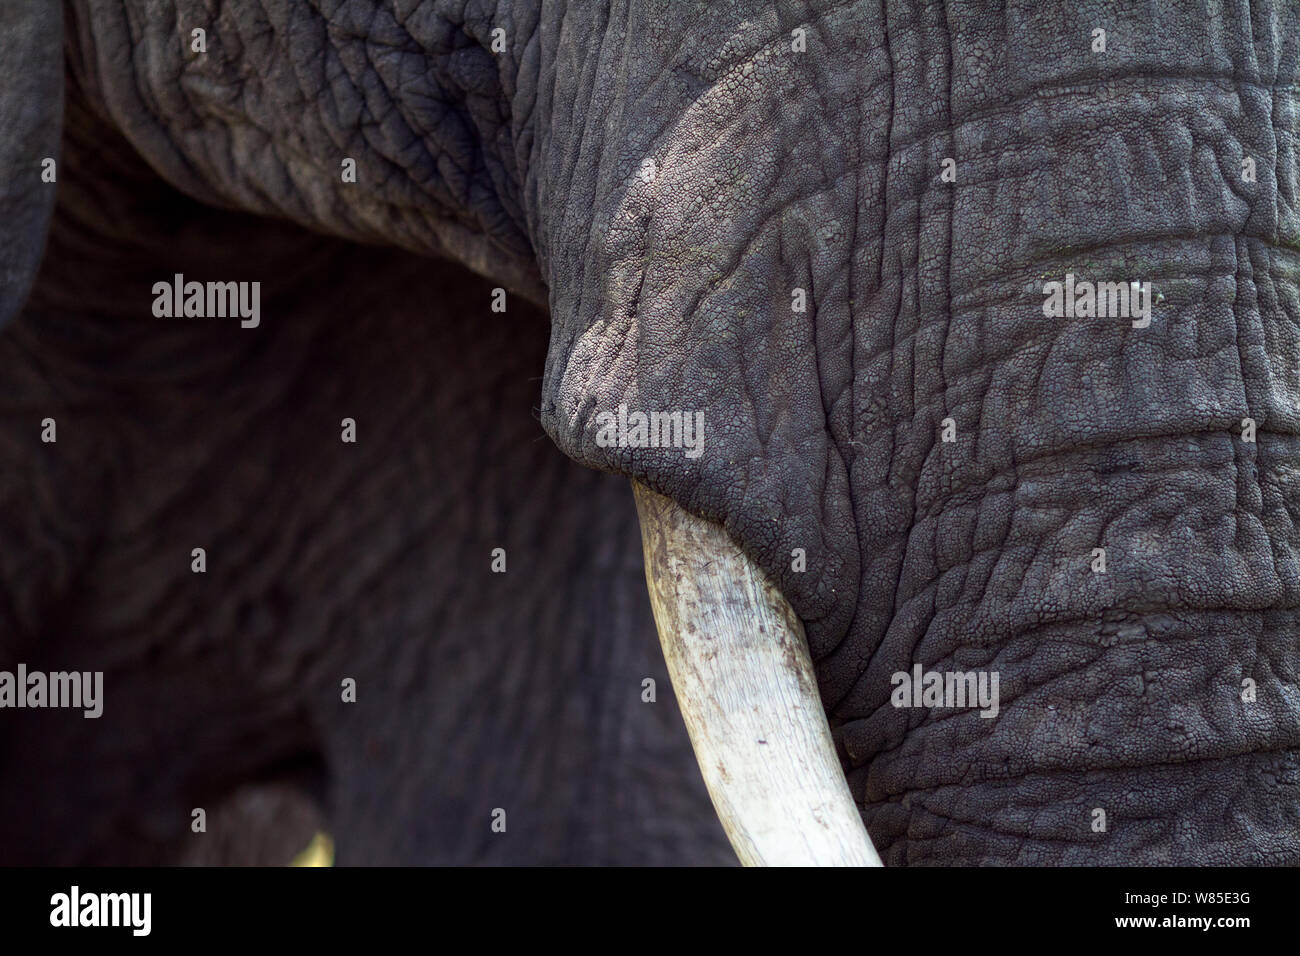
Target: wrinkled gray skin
773,170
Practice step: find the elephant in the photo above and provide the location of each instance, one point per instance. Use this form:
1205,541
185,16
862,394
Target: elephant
944,347
227,683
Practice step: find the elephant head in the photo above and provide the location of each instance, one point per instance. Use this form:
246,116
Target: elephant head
799,261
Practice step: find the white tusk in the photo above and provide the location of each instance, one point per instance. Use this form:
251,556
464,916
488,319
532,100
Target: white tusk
740,668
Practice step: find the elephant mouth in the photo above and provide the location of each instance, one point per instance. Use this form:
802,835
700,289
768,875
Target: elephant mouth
744,680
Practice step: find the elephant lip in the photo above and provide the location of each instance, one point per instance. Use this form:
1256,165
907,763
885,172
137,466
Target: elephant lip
740,667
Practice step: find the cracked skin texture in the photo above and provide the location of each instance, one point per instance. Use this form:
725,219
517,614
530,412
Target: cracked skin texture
819,170
475,690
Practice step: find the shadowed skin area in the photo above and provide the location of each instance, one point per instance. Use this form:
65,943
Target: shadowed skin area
774,170
325,560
